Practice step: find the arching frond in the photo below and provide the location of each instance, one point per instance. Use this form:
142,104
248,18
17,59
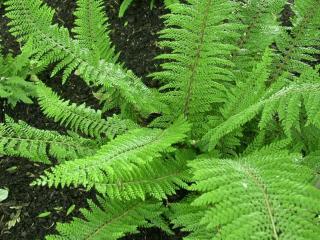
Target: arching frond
79,118
137,147
31,20
110,222
122,89
158,179
261,196
286,102
21,140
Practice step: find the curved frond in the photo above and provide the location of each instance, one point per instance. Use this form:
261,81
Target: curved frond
158,179
261,196
124,6
79,118
21,140
31,20
113,221
138,146
288,103
126,89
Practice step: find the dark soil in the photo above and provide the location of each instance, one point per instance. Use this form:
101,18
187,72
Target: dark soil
135,36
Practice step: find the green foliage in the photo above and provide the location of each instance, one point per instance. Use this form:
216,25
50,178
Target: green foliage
198,69
53,44
128,158
269,206
92,29
79,118
112,221
21,140
13,75
237,124
288,102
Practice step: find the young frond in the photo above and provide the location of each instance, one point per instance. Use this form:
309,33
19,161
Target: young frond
200,35
287,102
113,221
79,118
258,197
21,140
92,29
137,147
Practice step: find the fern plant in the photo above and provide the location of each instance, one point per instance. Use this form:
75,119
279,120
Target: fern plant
235,122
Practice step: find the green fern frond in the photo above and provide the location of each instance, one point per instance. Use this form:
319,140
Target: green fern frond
92,29
110,222
124,89
31,20
237,98
258,197
13,74
137,147
286,102
21,140
158,179
201,36
261,28
187,217
301,45
79,118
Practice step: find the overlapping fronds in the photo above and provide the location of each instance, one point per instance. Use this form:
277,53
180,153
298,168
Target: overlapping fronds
31,20
261,196
201,35
261,20
158,178
301,45
123,89
79,117
13,74
137,147
187,217
237,99
92,29
22,140
110,222
288,103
